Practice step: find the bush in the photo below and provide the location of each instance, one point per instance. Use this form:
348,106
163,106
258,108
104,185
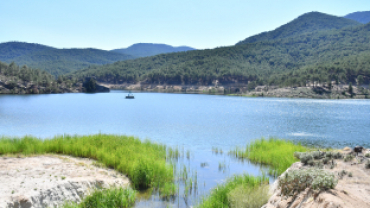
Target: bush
249,197
11,84
236,191
348,158
296,181
306,158
367,164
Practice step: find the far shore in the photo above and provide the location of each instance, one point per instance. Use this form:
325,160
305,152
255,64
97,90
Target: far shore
312,90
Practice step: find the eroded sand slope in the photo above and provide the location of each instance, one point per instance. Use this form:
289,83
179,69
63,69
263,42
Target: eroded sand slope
48,181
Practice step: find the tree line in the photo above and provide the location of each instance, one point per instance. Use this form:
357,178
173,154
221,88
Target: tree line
335,55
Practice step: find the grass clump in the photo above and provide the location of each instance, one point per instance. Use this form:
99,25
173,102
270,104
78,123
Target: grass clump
246,190
143,162
277,153
115,197
348,158
367,164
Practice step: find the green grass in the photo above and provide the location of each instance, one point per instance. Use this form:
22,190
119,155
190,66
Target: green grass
115,197
245,190
143,162
277,153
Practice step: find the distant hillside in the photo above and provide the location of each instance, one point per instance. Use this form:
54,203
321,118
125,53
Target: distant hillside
363,17
151,49
11,50
56,61
307,23
341,54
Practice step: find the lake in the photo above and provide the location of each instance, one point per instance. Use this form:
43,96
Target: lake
191,122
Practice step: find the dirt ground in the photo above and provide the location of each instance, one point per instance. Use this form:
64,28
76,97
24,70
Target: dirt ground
48,181
350,192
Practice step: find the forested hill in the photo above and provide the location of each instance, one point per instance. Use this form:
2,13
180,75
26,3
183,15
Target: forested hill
151,49
10,50
279,62
363,17
306,23
56,61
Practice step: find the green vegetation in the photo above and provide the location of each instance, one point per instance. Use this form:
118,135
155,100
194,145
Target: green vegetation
56,61
331,55
367,164
296,181
245,190
114,197
363,17
315,49
318,158
306,23
277,153
16,73
143,162
25,80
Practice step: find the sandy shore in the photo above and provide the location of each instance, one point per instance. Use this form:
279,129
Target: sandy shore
48,181
351,191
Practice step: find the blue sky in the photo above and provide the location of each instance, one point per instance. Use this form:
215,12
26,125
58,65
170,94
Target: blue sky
114,24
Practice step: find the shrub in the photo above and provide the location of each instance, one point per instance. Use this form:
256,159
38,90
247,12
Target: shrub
11,84
298,180
342,173
367,155
230,193
348,158
306,157
317,154
249,197
297,155
337,155
311,162
367,164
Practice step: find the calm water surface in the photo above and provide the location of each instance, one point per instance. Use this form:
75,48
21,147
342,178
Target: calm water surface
190,122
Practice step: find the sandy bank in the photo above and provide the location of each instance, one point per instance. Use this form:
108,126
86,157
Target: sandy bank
352,191
48,181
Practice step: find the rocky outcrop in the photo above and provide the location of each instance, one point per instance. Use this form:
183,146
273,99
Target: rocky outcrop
352,190
21,87
50,181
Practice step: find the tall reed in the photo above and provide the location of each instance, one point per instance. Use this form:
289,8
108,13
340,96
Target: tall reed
277,153
144,162
228,194
115,197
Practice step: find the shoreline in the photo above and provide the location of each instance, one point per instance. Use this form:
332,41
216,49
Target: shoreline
309,92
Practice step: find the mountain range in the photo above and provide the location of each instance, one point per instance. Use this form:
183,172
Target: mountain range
307,23
313,47
151,49
56,61
362,17
62,61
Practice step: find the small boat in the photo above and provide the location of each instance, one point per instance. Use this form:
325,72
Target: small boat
130,96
